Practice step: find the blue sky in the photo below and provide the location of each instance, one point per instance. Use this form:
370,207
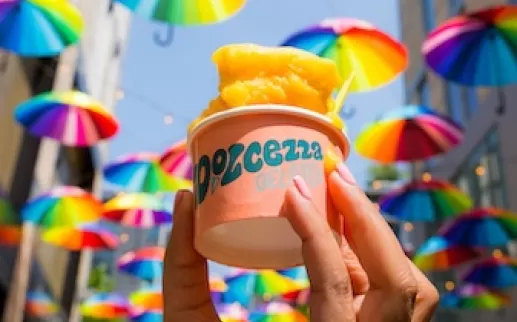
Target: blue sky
179,80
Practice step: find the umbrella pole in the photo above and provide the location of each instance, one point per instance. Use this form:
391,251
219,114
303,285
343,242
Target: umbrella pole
15,304
501,108
82,284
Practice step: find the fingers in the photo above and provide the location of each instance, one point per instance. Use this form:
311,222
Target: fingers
372,239
185,280
358,277
427,296
331,294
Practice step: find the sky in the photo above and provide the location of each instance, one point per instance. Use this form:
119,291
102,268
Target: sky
180,80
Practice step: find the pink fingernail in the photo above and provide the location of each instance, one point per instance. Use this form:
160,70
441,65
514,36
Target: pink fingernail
345,174
179,196
302,187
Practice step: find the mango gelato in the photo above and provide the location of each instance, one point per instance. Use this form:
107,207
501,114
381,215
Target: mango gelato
251,74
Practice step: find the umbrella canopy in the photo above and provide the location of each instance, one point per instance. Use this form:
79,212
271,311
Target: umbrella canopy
476,49
40,305
105,306
438,254
38,28
62,206
72,118
185,12
355,46
145,263
232,312
425,201
494,273
147,299
140,315
10,230
138,210
177,162
471,297
277,312
297,274
76,238
482,227
217,287
141,172
411,133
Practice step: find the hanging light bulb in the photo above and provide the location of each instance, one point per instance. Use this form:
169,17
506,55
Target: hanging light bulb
376,185
124,238
497,253
449,286
426,177
168,119
119,94
408,226
480,171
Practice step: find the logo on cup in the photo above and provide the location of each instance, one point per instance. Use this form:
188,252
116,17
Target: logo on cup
228,165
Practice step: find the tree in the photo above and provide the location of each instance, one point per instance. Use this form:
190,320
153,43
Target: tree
384,172
100,280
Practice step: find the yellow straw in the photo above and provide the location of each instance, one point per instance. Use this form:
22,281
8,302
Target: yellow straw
343,91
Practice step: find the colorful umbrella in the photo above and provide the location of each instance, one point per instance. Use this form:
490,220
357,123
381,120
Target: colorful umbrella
10,229
185,12
277,312
297,274
145,263
76,238
38,28
425,201
476,49
137,210
105,306
474,298
355,46
217,287
177,162
299,297
40,305
141,172
232,312
482,227
147,299
71,118
411,133
494,273
140,315
437,254
62,206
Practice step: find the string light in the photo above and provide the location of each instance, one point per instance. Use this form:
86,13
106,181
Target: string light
480,170
124,238
168,119
376,185
426,177
408,226
449,285
119,94
497,253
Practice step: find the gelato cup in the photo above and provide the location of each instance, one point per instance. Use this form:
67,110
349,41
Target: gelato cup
245,159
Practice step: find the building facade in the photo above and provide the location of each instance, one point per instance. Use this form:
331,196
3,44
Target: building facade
29,165
485,164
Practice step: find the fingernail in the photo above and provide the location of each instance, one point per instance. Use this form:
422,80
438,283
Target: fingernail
345,174
302,187
331,160
179,196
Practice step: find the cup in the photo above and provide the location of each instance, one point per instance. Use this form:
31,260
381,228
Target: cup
244,161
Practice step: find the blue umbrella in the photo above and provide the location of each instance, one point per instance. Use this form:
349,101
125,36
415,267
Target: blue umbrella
496,273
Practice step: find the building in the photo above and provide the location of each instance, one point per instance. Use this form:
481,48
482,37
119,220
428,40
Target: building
484,165
29,165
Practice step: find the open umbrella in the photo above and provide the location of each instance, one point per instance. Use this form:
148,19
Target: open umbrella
494,273
232,312
177,162
147,299
277,312
355,46
10,226
141,172
141,315
76,238
297,274
472,297
137,210
145,263
72,118
105,306
62,206
410,133
217,287
40,305
425,201
38,28
482,227
438,254
185,12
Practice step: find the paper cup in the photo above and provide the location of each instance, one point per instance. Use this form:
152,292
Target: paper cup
245,159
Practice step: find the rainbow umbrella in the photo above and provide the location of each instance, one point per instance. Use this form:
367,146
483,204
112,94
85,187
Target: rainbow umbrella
476,49
482,227
277,312
76,238
425,201
140,315
62,206
355,46
297,274
474,298
105,306
185,12
39,28
137,210
141,172
71,118
438,254
411,133
147,299
40,305
177,162
217,287
232,312
495,273
145,263
10,229
264,283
